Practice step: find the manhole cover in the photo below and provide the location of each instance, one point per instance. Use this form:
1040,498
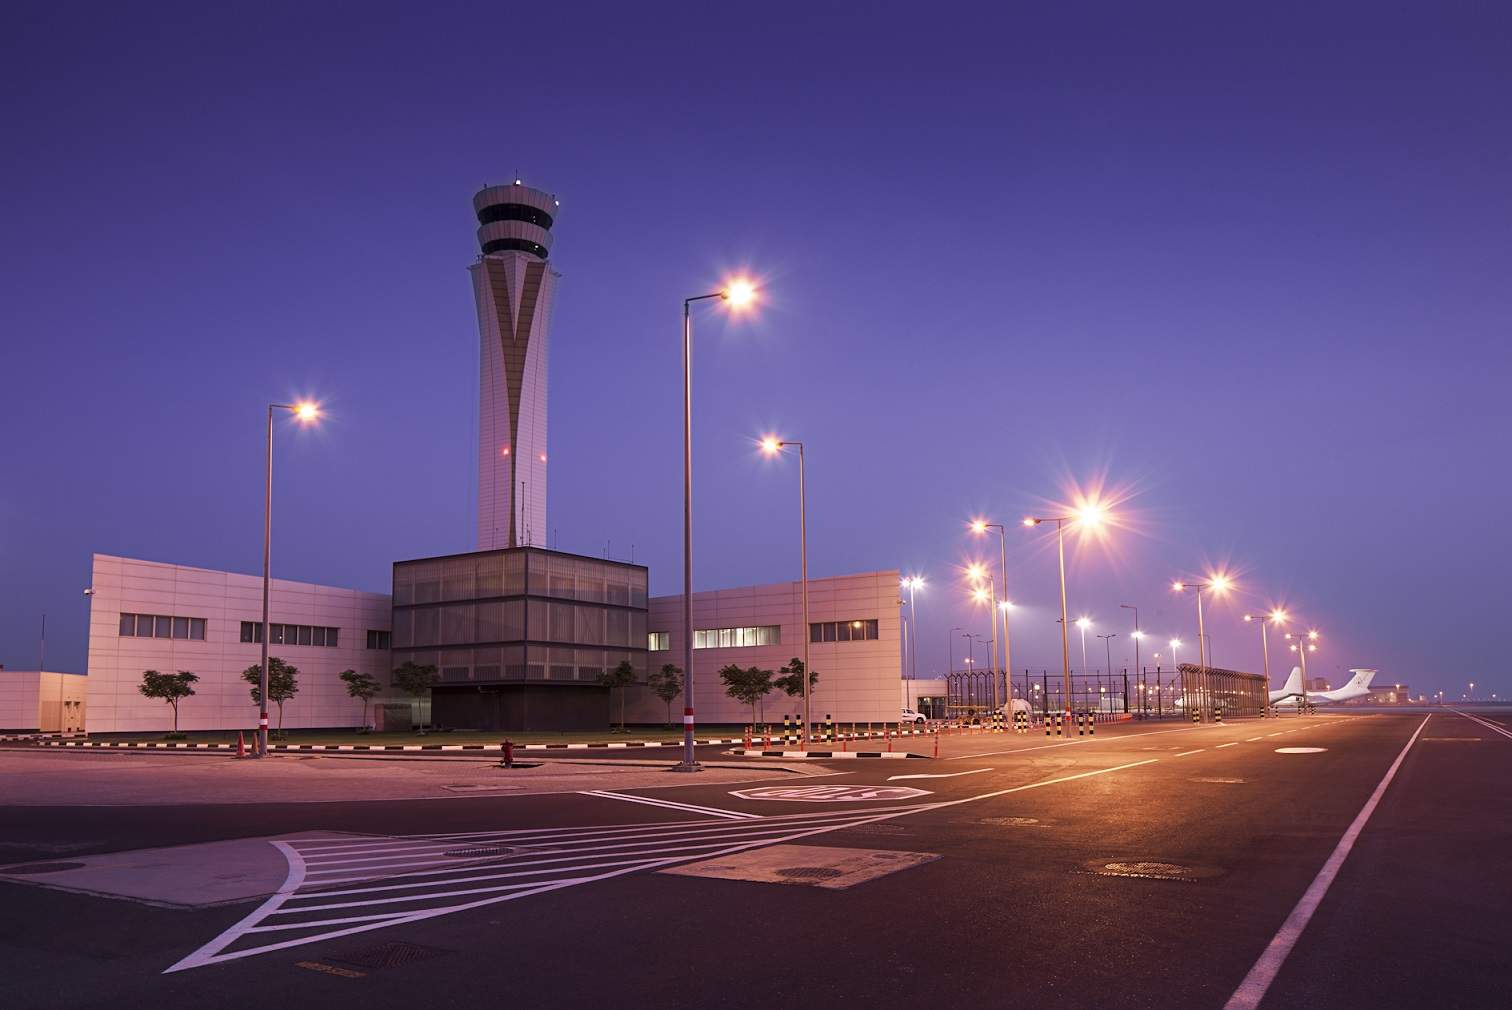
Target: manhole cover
879,829
1149,869
388,955
809,872
1009,822
41,868
473,853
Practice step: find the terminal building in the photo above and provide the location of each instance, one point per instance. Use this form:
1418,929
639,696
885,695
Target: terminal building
518,634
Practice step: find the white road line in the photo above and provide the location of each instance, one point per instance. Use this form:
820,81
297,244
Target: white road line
1254,738
670,805
1276,734
1487,723
1184,753
942,775
1231,743
1252,990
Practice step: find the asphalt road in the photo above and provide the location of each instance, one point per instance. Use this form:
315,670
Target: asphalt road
1150,867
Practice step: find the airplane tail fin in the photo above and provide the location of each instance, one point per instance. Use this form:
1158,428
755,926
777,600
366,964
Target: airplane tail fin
1293,683
1361,678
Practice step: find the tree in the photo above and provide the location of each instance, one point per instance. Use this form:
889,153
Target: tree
283,684
792,682
360,685
415,679
170,687
747,685
666,684
621,677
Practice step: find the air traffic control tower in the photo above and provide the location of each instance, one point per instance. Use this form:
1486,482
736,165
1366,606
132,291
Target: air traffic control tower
514,288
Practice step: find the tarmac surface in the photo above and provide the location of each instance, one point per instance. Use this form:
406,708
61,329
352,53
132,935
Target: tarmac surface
1335,860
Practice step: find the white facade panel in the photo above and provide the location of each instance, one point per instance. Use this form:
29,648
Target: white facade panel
223,600
858,680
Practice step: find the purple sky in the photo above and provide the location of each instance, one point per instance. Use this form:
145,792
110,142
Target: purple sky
1250,265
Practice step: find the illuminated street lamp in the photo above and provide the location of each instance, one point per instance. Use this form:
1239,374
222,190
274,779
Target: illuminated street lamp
1276,616
1216,585
1083,623
1090,515
1175,644
305,412
1311,644
981,526
989,597
772,447
912,583
738,294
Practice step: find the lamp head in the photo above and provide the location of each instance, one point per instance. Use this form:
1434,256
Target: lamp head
1031,521
771,446
1084,623
306,411
740,293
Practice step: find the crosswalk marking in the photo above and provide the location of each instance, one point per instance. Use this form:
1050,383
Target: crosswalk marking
413,871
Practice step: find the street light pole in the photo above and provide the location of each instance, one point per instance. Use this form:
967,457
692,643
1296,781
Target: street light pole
305,412
1216,584
1108,644
738,294
772,447
1089,515
982,526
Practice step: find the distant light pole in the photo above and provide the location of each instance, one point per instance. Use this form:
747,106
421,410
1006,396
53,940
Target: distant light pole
1138,636
738,294
1083,623
1215,585
1302,647
1090,515
773,446
982,526
912,583
989,597
305,413
1108,646
1277,616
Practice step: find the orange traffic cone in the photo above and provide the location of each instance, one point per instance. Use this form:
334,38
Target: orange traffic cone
241,745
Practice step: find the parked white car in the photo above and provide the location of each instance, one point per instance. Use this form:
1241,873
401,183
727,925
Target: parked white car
909,715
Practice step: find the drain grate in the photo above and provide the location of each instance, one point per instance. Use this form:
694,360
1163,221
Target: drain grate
41,868
809,872
1149,869
474,853
388,955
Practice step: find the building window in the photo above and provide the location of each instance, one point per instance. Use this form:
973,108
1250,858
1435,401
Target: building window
737,638
843,631
658,641
379,639
161,626
290,634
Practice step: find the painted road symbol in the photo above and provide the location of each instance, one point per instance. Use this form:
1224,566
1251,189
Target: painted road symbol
829,794
1300,750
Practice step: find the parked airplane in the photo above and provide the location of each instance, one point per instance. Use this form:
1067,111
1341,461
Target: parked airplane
1358,687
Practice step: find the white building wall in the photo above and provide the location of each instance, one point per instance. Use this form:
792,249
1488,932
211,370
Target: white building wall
18,700
224,600
858,681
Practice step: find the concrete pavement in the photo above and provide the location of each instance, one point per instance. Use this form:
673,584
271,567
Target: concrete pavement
1148,868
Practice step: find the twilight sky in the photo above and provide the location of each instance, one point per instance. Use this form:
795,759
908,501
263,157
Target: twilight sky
1248,268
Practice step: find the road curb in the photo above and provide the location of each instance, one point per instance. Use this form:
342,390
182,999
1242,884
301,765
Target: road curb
824,755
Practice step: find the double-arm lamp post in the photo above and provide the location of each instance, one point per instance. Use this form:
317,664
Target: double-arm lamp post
773,446
1276,616
1091,515
1216,585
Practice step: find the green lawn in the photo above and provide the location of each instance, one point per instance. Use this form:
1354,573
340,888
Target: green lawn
461,736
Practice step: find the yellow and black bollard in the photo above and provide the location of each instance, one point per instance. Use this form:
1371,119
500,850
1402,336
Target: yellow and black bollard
1059,718
1218,714
1047,723
1091,723
1196,714
829,728
787,730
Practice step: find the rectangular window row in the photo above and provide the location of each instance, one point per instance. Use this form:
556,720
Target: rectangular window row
290,634
659,641
158,626
737,638
379,639
843,631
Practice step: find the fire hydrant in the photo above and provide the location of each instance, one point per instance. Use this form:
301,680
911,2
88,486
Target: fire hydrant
508,753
